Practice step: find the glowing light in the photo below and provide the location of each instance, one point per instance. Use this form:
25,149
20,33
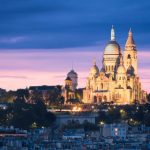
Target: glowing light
131,119
116,129
76,109
101,123
121,111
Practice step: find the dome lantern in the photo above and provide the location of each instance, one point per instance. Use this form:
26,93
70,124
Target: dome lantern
112,33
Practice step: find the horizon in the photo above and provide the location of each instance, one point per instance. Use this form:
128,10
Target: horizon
40,41
35,69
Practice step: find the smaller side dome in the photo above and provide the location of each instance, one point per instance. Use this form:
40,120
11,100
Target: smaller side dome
72,73
68,79
94,69
121,70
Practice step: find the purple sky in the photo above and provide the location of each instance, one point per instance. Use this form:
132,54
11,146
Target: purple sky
20,69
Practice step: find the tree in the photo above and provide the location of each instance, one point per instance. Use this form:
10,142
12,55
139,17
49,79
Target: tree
24,115
8,97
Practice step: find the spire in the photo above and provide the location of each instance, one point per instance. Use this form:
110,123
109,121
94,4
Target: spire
130,41
72,65
130,33
112,33
94,61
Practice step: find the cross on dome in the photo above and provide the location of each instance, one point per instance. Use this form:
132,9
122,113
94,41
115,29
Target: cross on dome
112,33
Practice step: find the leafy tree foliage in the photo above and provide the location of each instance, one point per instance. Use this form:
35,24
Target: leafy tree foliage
23,115
133,114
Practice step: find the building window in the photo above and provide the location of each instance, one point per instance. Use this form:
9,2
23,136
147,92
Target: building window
129,56
101,85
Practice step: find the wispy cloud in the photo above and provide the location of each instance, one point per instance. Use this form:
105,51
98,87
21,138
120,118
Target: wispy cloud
13,77
12,40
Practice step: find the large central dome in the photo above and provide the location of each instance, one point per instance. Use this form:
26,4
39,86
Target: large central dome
112,48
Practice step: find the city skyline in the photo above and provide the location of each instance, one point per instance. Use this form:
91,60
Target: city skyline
40,41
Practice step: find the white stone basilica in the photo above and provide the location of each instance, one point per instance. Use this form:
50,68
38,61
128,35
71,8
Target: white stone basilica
118,79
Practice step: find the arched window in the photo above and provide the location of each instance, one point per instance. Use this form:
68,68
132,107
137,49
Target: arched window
105,98
100,99
129,56
101,85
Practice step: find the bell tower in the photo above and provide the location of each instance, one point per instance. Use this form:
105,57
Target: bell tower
130,55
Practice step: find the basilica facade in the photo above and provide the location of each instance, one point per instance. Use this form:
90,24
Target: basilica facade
118,80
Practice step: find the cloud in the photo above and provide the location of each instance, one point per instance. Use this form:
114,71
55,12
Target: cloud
12,40
13,77
67,24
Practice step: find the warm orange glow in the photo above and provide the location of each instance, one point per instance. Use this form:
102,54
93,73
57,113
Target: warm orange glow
76,109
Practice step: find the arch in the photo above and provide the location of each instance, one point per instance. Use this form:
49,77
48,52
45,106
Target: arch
102,86
100,99
105,98
129,56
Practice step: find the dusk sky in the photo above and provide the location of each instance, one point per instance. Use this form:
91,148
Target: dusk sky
40,39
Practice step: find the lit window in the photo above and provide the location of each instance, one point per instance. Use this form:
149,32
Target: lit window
116,129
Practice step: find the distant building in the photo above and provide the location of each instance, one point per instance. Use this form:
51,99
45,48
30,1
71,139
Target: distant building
78,118
118,79
71,83
114,130
73,134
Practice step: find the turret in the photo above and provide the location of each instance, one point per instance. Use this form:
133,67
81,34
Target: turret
121,74
74,77
130,55
94,71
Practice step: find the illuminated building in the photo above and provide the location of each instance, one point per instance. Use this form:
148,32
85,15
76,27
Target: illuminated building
118,80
